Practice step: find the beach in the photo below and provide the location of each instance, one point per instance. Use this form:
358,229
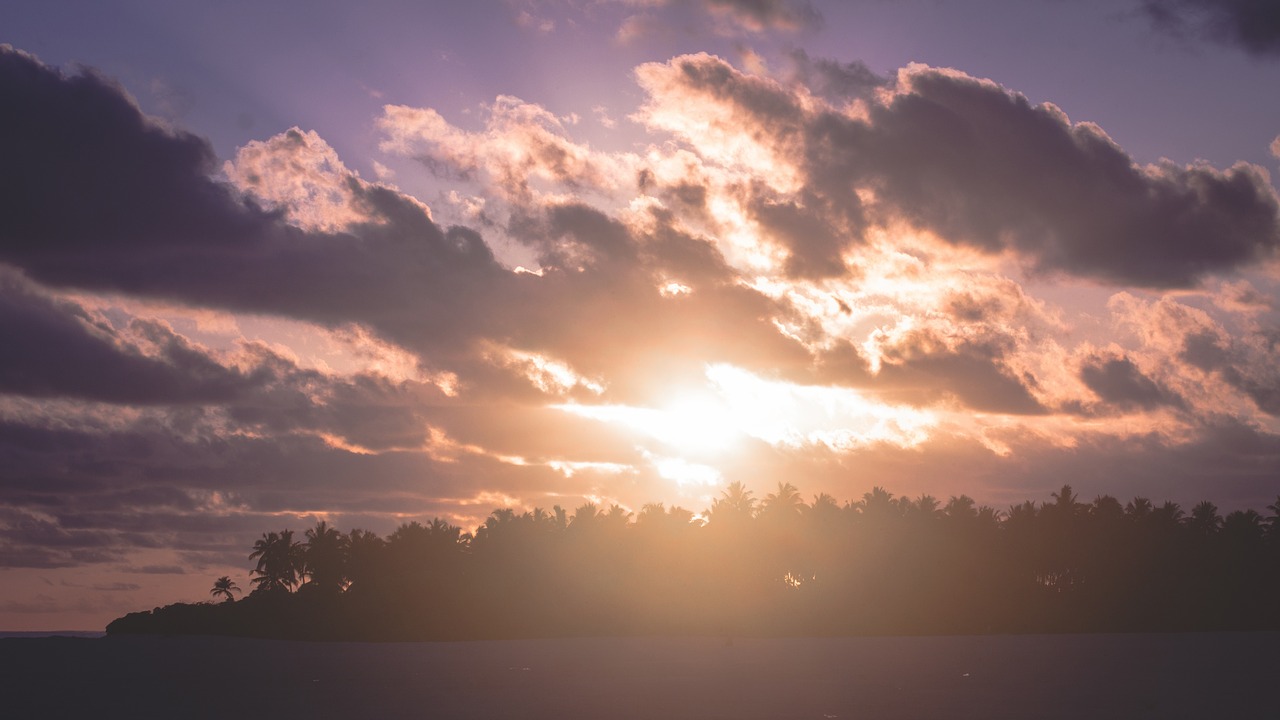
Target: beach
1201,675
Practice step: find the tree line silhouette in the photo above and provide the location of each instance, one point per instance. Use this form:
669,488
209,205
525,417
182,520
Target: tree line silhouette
778,565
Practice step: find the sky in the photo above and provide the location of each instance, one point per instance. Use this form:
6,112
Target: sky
262,266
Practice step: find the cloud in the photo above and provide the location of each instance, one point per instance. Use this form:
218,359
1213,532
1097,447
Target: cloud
299,173
1215,368
117,587
91,173
834,80
974,372
1253,25
69,353
154,569
66,352
730,18
107,201
1117,380
972,163
521,144
760,15
1243,363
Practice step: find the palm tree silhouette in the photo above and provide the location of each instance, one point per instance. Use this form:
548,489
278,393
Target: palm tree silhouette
1204,519
878,506
280,562
786,503
1273,520
923,509
1138,508
735,502
324,558
224,587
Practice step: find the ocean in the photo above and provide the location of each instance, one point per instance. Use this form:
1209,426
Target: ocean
1198,675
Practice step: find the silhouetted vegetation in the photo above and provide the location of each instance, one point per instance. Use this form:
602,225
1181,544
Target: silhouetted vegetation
879,565
226,588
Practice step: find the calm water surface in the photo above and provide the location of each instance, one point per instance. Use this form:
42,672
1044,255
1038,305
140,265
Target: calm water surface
1227,675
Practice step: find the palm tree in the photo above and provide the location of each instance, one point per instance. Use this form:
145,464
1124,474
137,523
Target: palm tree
421,557
1106,509
878,506
280,562
989,517
1244,527
925,507
1204,519
1273,521
324,558
960,507
1169,514
735,501
224,587
1065,503
1138,508
651,515
365,553
585,516
786,503
424,543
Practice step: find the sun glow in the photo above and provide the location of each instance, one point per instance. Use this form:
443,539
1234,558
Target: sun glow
783,413
684,472
736,405
694,424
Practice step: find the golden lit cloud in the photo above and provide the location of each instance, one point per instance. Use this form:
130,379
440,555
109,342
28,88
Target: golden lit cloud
300,173
549,375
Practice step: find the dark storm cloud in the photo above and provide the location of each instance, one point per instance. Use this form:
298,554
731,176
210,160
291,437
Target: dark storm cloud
1117,380
1253,25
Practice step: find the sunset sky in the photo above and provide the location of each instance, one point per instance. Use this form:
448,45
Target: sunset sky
388,261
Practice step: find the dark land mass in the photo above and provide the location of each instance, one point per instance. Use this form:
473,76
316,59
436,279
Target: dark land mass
777,568
1166,676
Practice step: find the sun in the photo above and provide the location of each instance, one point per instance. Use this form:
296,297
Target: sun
698,421
711,421
691,422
